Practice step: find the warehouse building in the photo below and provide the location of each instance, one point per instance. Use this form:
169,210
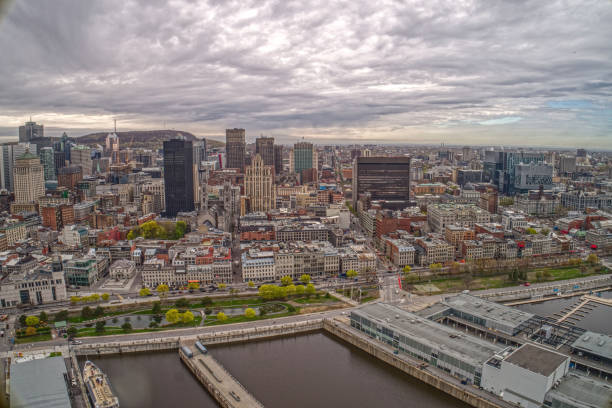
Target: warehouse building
39,383
579,391
594,345
441,346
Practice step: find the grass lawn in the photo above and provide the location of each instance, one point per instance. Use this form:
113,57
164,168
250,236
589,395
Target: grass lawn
79,319
32,339
211,320
313,299
108,330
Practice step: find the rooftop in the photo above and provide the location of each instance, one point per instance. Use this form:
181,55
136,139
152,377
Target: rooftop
536,359
595,343
451,341
488,310
580,391
39,383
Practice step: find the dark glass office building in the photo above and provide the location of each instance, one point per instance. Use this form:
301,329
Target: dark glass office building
385,178
178,176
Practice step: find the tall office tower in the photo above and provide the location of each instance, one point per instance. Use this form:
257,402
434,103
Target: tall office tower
199,151
30,131
264,146
10,152
278,159
59,160
366,153
467,153
178,176
259,185
235,148
29,178
69,177
567,165
581,153
304,157
65,146
499,168
385,178
81,156
112,147
48,161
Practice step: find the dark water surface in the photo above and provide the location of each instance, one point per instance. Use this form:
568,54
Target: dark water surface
312,370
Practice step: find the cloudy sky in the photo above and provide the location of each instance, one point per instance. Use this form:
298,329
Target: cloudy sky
478,72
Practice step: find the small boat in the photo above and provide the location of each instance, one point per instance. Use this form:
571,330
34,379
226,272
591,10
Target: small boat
98,387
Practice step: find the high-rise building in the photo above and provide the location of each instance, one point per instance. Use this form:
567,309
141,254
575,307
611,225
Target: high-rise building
178,176
467,153
235,148
10,152
31,130
264,146
567,165
59,160
385,178
304,157
581,153
29,178
81,156
69,177
278,159
48,162
259,185
112,147
499,167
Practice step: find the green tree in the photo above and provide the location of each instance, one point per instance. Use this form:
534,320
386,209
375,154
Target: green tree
130,235
592,259
193,286
305,279
32,321
291,308
222,286
182,303
105,297
100,326
144,292
74,300
61,316
86,313
94,297
72,331
299,290
206,301
162,290
251,284
173,316
351,273
286,280
531,231
249,313
22,320
127,327
156,309
291,289
412,278
266,292
30,331
310,289
98,311
407,270
280,292
43,317
187,317
221,317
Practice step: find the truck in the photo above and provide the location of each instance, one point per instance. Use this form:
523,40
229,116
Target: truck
201,347
187,351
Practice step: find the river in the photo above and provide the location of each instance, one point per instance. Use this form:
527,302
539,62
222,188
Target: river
298,371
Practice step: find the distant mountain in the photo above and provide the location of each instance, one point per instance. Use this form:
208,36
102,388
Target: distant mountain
152,139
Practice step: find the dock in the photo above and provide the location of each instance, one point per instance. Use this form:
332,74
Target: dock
221,385
584,300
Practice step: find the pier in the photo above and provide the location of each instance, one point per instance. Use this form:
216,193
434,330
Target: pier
584,300
221,385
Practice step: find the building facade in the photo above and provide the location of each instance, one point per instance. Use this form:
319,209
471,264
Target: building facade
235,148
385,178
178,176
259,185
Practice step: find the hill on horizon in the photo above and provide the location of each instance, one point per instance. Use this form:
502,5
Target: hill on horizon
143,138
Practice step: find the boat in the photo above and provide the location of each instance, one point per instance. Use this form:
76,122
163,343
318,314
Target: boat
98,387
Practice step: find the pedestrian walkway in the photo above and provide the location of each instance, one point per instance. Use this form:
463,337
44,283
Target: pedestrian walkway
346,299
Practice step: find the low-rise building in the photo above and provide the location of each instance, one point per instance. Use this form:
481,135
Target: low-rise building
32,287
122,269
85,271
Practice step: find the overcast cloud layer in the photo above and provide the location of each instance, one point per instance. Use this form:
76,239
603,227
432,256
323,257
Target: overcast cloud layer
482,72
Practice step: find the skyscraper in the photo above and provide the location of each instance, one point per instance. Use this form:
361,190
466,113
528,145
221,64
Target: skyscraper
31,130
278,159
264,146
385,178
178,176
29,179
304,157
259,185
235,148
48,161
80,155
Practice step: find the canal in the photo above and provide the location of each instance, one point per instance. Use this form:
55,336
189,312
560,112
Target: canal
300,371
597,320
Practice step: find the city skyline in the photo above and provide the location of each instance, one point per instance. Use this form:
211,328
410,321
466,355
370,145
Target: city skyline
532,74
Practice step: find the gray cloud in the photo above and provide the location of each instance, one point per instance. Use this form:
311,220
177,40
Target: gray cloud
387,71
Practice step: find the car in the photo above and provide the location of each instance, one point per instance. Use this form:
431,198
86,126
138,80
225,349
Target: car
76,342
527,284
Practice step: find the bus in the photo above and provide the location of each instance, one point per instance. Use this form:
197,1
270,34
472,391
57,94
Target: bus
201,347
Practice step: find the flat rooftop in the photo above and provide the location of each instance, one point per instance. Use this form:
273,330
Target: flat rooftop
581,391
595,343
536,359
488,310
452,342
39,383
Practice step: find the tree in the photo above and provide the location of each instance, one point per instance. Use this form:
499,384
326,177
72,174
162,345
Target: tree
222,286
72,331
32,321
310,289
291,289
305,278
173,316
100,326
105,297
280,292
131,235
539,275
266,292
435,267
545,231
30,331
127,327
187,317
98,311
467,279
162,290
22,320
193,286
407,270
206,301
94,297
221,317
156,309
181,303
249,313
286,280
299,290
74,300
351,273
592,259
61,316
43,316
251,284
531,231
144,292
